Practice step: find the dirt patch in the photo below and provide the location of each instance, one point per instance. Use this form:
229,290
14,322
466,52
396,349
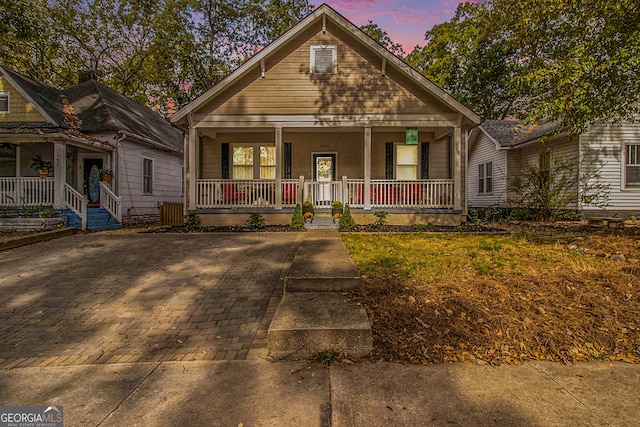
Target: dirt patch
563,293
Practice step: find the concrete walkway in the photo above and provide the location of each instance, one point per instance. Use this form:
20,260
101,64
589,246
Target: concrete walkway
262,393
170,329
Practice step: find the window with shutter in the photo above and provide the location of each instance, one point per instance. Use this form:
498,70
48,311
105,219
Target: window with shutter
323,59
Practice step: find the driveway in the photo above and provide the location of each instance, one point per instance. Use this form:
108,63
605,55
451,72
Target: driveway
114,298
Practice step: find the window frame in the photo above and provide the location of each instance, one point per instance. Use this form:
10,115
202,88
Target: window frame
484,178
256,165
147,191
334,59
626,146
7,94
396,160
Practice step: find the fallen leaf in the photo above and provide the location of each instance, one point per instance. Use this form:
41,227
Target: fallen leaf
163,399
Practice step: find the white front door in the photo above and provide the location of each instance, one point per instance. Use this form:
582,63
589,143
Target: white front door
324,168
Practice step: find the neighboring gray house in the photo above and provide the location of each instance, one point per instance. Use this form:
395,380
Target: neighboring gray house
498,149
83,131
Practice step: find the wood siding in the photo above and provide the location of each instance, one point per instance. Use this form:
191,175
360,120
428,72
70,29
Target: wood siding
485,150
607,144
20,110
348,144
358,87
167,179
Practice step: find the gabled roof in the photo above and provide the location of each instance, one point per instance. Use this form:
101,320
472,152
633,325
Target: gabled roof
103,109
100,109
511,133
44,98
326,11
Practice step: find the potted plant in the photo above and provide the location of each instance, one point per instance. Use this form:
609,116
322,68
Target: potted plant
105,174
44,167
336,208
307,206
308,216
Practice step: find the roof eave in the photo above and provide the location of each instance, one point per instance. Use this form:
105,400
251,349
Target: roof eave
28,97
357,33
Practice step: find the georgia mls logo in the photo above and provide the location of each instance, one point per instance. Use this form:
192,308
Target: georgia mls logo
31,416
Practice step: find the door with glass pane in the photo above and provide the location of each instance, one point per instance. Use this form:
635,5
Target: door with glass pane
324,171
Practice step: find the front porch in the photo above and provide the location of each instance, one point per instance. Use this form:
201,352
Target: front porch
427,194
23,195
71,188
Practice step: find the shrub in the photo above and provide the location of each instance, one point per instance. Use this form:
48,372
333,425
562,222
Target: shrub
381,218
256,220
346,220
191,220
297,221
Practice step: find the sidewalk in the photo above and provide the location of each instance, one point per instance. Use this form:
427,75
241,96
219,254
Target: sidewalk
262,393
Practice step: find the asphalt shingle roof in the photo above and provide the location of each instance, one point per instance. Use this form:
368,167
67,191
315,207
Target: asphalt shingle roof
510,133
101,109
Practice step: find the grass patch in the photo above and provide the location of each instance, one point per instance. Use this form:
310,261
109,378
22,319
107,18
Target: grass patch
537,294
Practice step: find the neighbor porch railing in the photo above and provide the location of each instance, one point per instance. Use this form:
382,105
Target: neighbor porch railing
110,202
77,203
383,194
24,192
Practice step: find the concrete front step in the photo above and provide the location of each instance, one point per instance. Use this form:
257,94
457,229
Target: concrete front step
306,323
322,264
321,223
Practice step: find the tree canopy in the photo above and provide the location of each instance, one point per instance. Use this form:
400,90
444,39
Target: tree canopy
571,61
149,50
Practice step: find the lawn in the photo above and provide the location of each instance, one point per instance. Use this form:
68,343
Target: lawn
540,293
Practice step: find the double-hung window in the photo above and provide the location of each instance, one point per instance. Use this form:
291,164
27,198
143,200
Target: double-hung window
485,178
4,102
632,165
324,59
147,176
407,162
244,164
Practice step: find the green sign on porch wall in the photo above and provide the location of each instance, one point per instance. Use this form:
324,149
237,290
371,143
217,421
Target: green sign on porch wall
412,136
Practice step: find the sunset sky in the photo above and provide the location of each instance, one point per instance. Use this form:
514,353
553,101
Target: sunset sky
406,21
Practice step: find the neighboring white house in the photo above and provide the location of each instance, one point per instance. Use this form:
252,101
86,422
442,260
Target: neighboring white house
499,148
83,131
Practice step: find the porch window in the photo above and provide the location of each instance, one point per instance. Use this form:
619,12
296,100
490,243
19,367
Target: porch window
242,162
4,102
324,59
407,162
485,178
267,162
632,165
244,165
147,176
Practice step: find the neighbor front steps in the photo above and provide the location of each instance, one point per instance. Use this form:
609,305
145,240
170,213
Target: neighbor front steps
315,313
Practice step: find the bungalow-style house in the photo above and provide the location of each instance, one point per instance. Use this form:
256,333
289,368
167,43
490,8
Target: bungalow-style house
85,133
609,154
324,114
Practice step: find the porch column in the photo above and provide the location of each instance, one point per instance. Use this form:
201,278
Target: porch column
457,168
60,173
279,158
367,168
191,171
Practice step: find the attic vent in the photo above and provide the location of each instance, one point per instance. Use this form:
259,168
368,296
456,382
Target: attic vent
323,59
4,102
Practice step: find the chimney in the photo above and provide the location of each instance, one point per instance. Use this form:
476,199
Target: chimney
86,75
